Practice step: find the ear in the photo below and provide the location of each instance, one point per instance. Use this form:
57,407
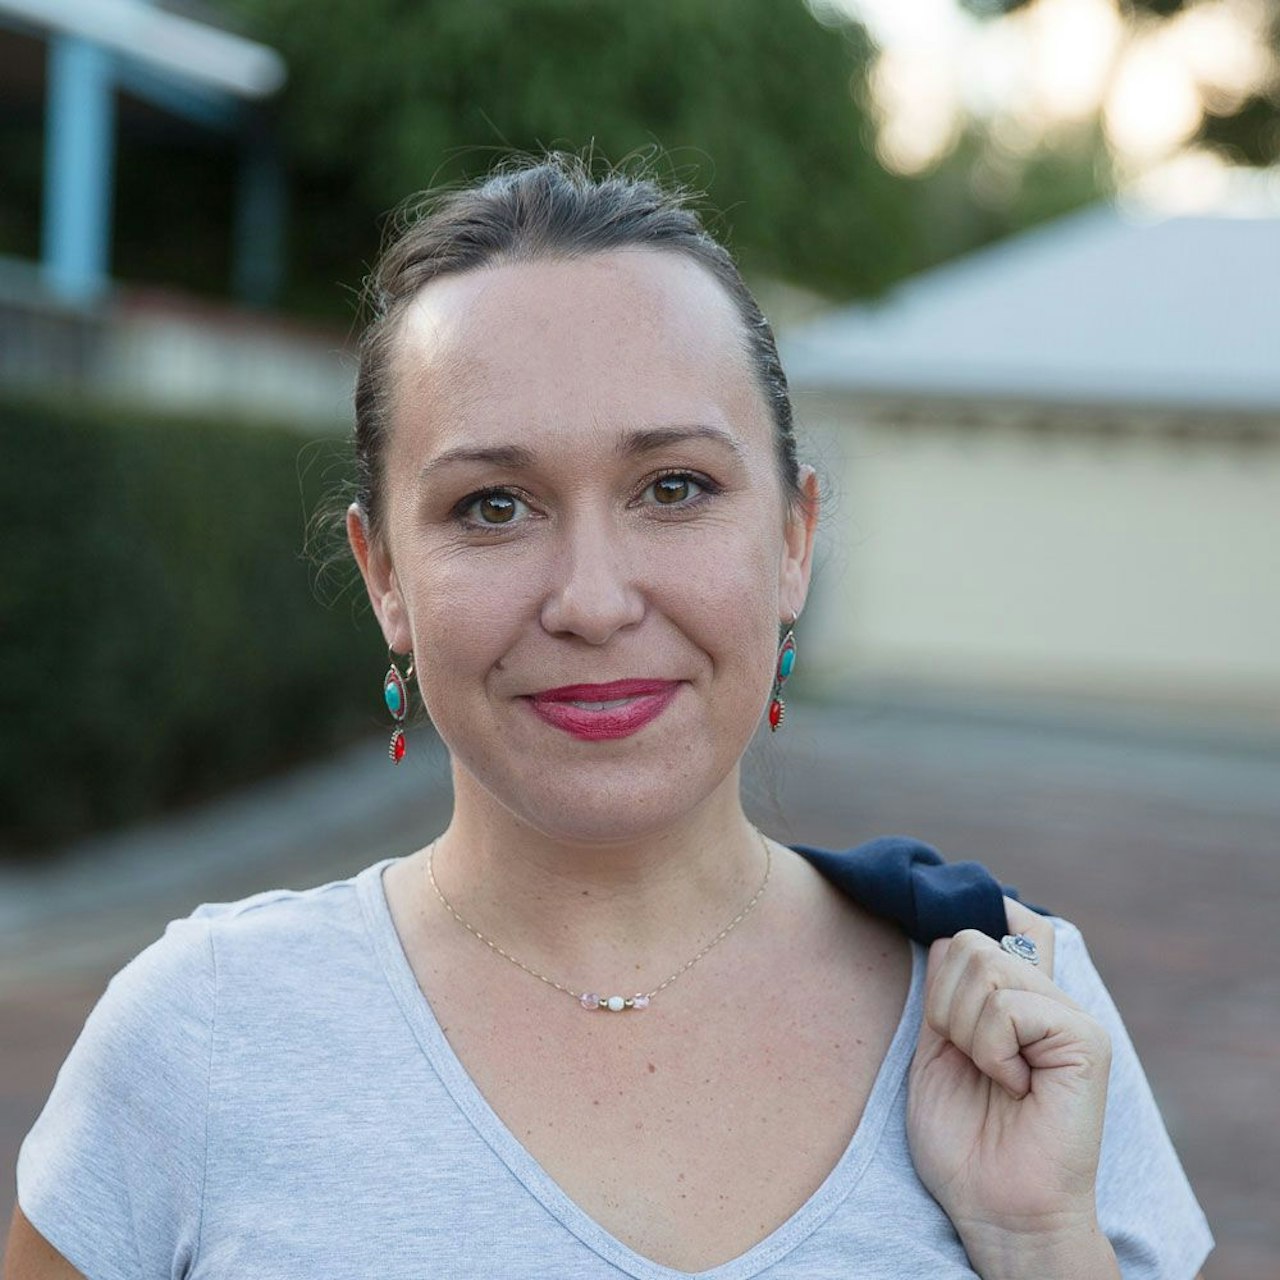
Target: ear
798,538
380,581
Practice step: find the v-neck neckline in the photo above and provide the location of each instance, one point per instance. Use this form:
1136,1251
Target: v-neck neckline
835,1187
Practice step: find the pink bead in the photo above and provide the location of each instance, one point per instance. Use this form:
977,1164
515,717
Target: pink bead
640,1002
590,1000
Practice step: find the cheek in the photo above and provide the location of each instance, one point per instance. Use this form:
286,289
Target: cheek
722,592
467,611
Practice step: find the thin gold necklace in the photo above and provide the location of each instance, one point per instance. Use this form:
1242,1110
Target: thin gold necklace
590,999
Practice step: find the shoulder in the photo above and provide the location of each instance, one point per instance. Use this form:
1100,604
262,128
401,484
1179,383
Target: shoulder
281,952
164,994
909,882
1073,968
169,993
283,907
1076,972
278,920
115,1164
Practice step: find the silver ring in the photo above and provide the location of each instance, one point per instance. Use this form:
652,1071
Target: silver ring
1018,944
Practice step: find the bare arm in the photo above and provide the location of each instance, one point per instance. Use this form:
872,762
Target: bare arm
29,1256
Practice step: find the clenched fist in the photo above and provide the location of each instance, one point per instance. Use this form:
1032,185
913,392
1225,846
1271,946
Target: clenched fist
1004,1115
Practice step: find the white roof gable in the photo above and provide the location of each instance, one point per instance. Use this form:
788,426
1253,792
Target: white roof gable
168,41
1105,306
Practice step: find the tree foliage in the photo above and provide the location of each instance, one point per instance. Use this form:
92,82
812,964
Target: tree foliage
752,102
1248,134
188,651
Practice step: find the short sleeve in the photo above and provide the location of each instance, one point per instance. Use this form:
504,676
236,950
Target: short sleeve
111,1173
1146,1207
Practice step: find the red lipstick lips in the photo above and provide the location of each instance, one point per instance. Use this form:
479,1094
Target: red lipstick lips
637,703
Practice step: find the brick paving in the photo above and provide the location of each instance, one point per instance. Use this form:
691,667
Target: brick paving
1166,854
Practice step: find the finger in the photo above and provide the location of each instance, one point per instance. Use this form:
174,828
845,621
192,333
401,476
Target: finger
981,979
1021,919
994,1047
948,959
989,968
1020,1032
975,967
955,966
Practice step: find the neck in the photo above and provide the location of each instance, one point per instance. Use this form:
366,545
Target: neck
642,900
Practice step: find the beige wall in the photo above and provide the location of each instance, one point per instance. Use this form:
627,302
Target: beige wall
1140,563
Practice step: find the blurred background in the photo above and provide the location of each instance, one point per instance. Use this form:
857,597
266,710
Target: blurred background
1023,260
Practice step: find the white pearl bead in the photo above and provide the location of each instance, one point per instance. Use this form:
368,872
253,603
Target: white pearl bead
617,1003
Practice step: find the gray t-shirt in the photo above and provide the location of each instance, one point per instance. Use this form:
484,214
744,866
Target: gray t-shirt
265,1092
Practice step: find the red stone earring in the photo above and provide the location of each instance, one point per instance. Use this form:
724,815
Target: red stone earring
786,661
395,692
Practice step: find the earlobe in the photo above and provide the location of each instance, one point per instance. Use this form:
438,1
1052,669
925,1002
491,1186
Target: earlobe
380,581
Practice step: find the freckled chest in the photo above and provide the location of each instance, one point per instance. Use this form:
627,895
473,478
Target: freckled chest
691,1130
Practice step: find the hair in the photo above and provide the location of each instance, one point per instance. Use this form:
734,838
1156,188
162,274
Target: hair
529,209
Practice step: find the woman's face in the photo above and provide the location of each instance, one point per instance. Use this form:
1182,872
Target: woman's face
581,487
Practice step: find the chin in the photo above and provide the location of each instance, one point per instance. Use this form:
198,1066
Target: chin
600,805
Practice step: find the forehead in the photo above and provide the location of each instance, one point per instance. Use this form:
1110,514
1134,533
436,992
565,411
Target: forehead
604,341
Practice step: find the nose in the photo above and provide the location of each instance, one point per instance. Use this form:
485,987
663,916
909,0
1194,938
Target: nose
593,591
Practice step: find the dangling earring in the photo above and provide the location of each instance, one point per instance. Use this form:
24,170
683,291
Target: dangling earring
786,661
395,692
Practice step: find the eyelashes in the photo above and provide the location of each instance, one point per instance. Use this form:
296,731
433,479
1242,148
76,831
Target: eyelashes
504,501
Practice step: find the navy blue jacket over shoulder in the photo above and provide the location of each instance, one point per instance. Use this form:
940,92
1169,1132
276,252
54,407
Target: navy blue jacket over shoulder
907,881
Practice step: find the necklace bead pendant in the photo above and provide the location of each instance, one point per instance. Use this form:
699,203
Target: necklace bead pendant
613,1004
592,1000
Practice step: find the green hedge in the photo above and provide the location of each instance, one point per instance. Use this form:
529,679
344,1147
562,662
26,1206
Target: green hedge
163,632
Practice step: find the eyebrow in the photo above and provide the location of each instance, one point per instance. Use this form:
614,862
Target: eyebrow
632,445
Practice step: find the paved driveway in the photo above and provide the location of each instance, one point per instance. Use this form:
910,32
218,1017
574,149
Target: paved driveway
1165,853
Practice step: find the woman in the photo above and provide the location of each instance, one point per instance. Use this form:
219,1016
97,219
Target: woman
600,1025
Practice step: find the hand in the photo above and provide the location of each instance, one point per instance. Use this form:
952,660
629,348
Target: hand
1007,1092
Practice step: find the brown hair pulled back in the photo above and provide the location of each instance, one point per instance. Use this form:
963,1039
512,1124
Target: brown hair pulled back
539,208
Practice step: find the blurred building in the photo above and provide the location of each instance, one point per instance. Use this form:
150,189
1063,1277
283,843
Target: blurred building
80,74
1055,468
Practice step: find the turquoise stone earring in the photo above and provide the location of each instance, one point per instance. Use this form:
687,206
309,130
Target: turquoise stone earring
395,693
786,661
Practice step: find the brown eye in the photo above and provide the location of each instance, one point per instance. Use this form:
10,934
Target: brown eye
496,508
489,509
672,490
